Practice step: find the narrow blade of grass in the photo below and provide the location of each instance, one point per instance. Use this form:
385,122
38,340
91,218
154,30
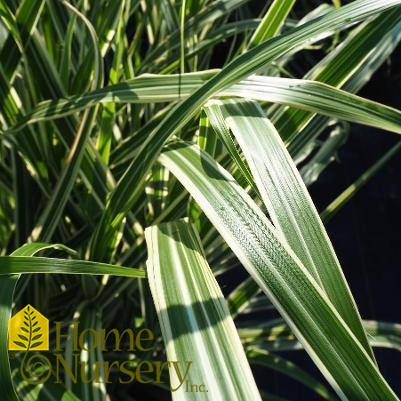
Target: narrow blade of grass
272,21
29,265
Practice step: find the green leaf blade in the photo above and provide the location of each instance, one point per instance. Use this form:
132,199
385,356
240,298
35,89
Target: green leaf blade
289,204
194,318
264,253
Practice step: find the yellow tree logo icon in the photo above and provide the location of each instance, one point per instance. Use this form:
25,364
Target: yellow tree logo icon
28,330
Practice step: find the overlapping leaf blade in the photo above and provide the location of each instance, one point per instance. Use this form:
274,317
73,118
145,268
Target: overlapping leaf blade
288,203
264,252
302,94
194,317
132,183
